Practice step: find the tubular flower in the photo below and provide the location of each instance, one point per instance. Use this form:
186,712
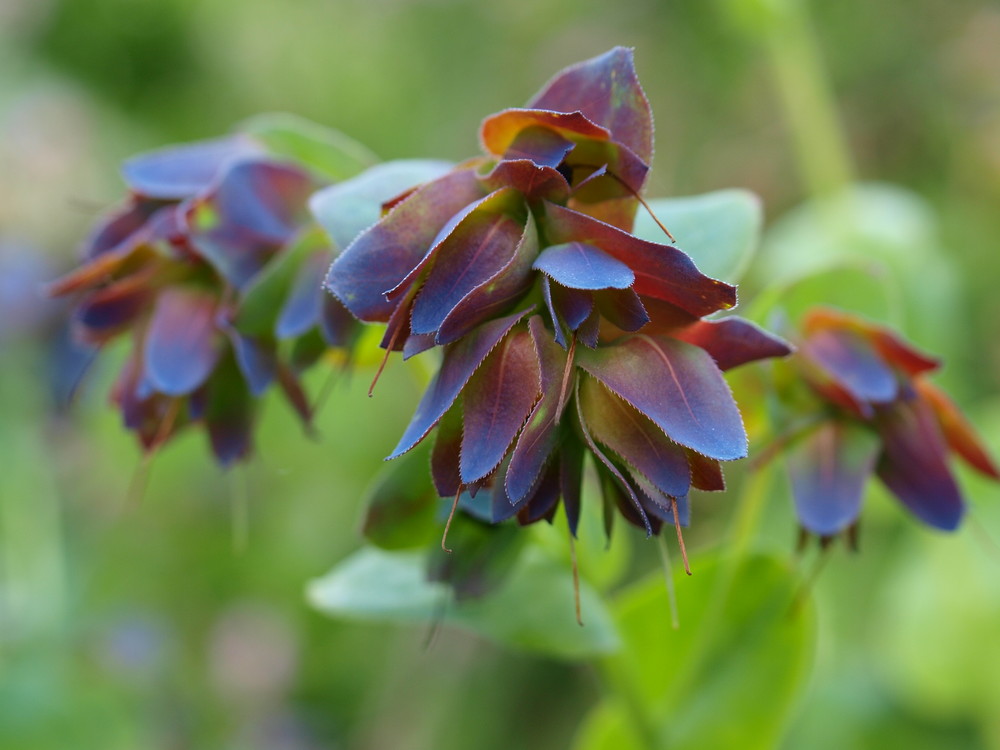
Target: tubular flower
511,260
213,268
878,413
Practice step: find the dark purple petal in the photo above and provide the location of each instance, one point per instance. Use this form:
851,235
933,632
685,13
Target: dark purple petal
381,257
257,359
500,202
337,324
397,329
295,394
828,470
639,442
178,172
528,179
590,329
474,253
573,305
540,435
913,464
251,216
447,447
852,362
622,308
461,360
108,311
893,349
262,198
304,305
117,227
229,414
182,345
656,503
502,506
661,271
544,500
541,145
237,258
493,296
706,474
496,402
557,326
417,343
248,217
677,386
571,481
606,89
734,341
611,469
578,265
603,170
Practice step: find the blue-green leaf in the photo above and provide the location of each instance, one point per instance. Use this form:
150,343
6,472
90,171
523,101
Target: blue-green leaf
327,152
532,610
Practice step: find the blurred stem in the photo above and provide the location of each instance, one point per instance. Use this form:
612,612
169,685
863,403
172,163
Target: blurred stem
616,677
796,63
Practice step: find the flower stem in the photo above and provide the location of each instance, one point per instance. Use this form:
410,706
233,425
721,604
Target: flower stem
617,681
797,66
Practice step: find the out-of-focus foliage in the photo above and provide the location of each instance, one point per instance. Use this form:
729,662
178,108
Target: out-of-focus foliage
124,627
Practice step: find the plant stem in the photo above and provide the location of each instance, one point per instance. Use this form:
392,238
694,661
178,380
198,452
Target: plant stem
617,681
797,66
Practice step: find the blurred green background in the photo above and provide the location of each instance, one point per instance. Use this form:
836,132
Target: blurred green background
140,624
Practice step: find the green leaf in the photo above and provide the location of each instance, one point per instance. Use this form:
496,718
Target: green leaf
263,300
532,611
348,208
327,152
401,508
719,230
728,677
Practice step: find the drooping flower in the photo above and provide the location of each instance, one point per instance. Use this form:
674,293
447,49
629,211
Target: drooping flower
213,267
509,261
875,412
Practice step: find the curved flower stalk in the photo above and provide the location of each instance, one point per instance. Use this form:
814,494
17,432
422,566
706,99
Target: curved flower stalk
562,333
212,267
875,412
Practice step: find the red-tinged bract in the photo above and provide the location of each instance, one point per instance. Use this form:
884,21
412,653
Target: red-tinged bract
562,333
877,414
213,267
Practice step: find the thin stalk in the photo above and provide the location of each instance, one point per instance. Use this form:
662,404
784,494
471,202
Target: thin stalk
796,63
616,679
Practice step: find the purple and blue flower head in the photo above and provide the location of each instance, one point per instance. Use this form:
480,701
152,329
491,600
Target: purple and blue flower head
876,412
562,334
213,268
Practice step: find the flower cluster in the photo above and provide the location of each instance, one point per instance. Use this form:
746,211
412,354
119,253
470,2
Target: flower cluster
562,333
877,413
213,268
